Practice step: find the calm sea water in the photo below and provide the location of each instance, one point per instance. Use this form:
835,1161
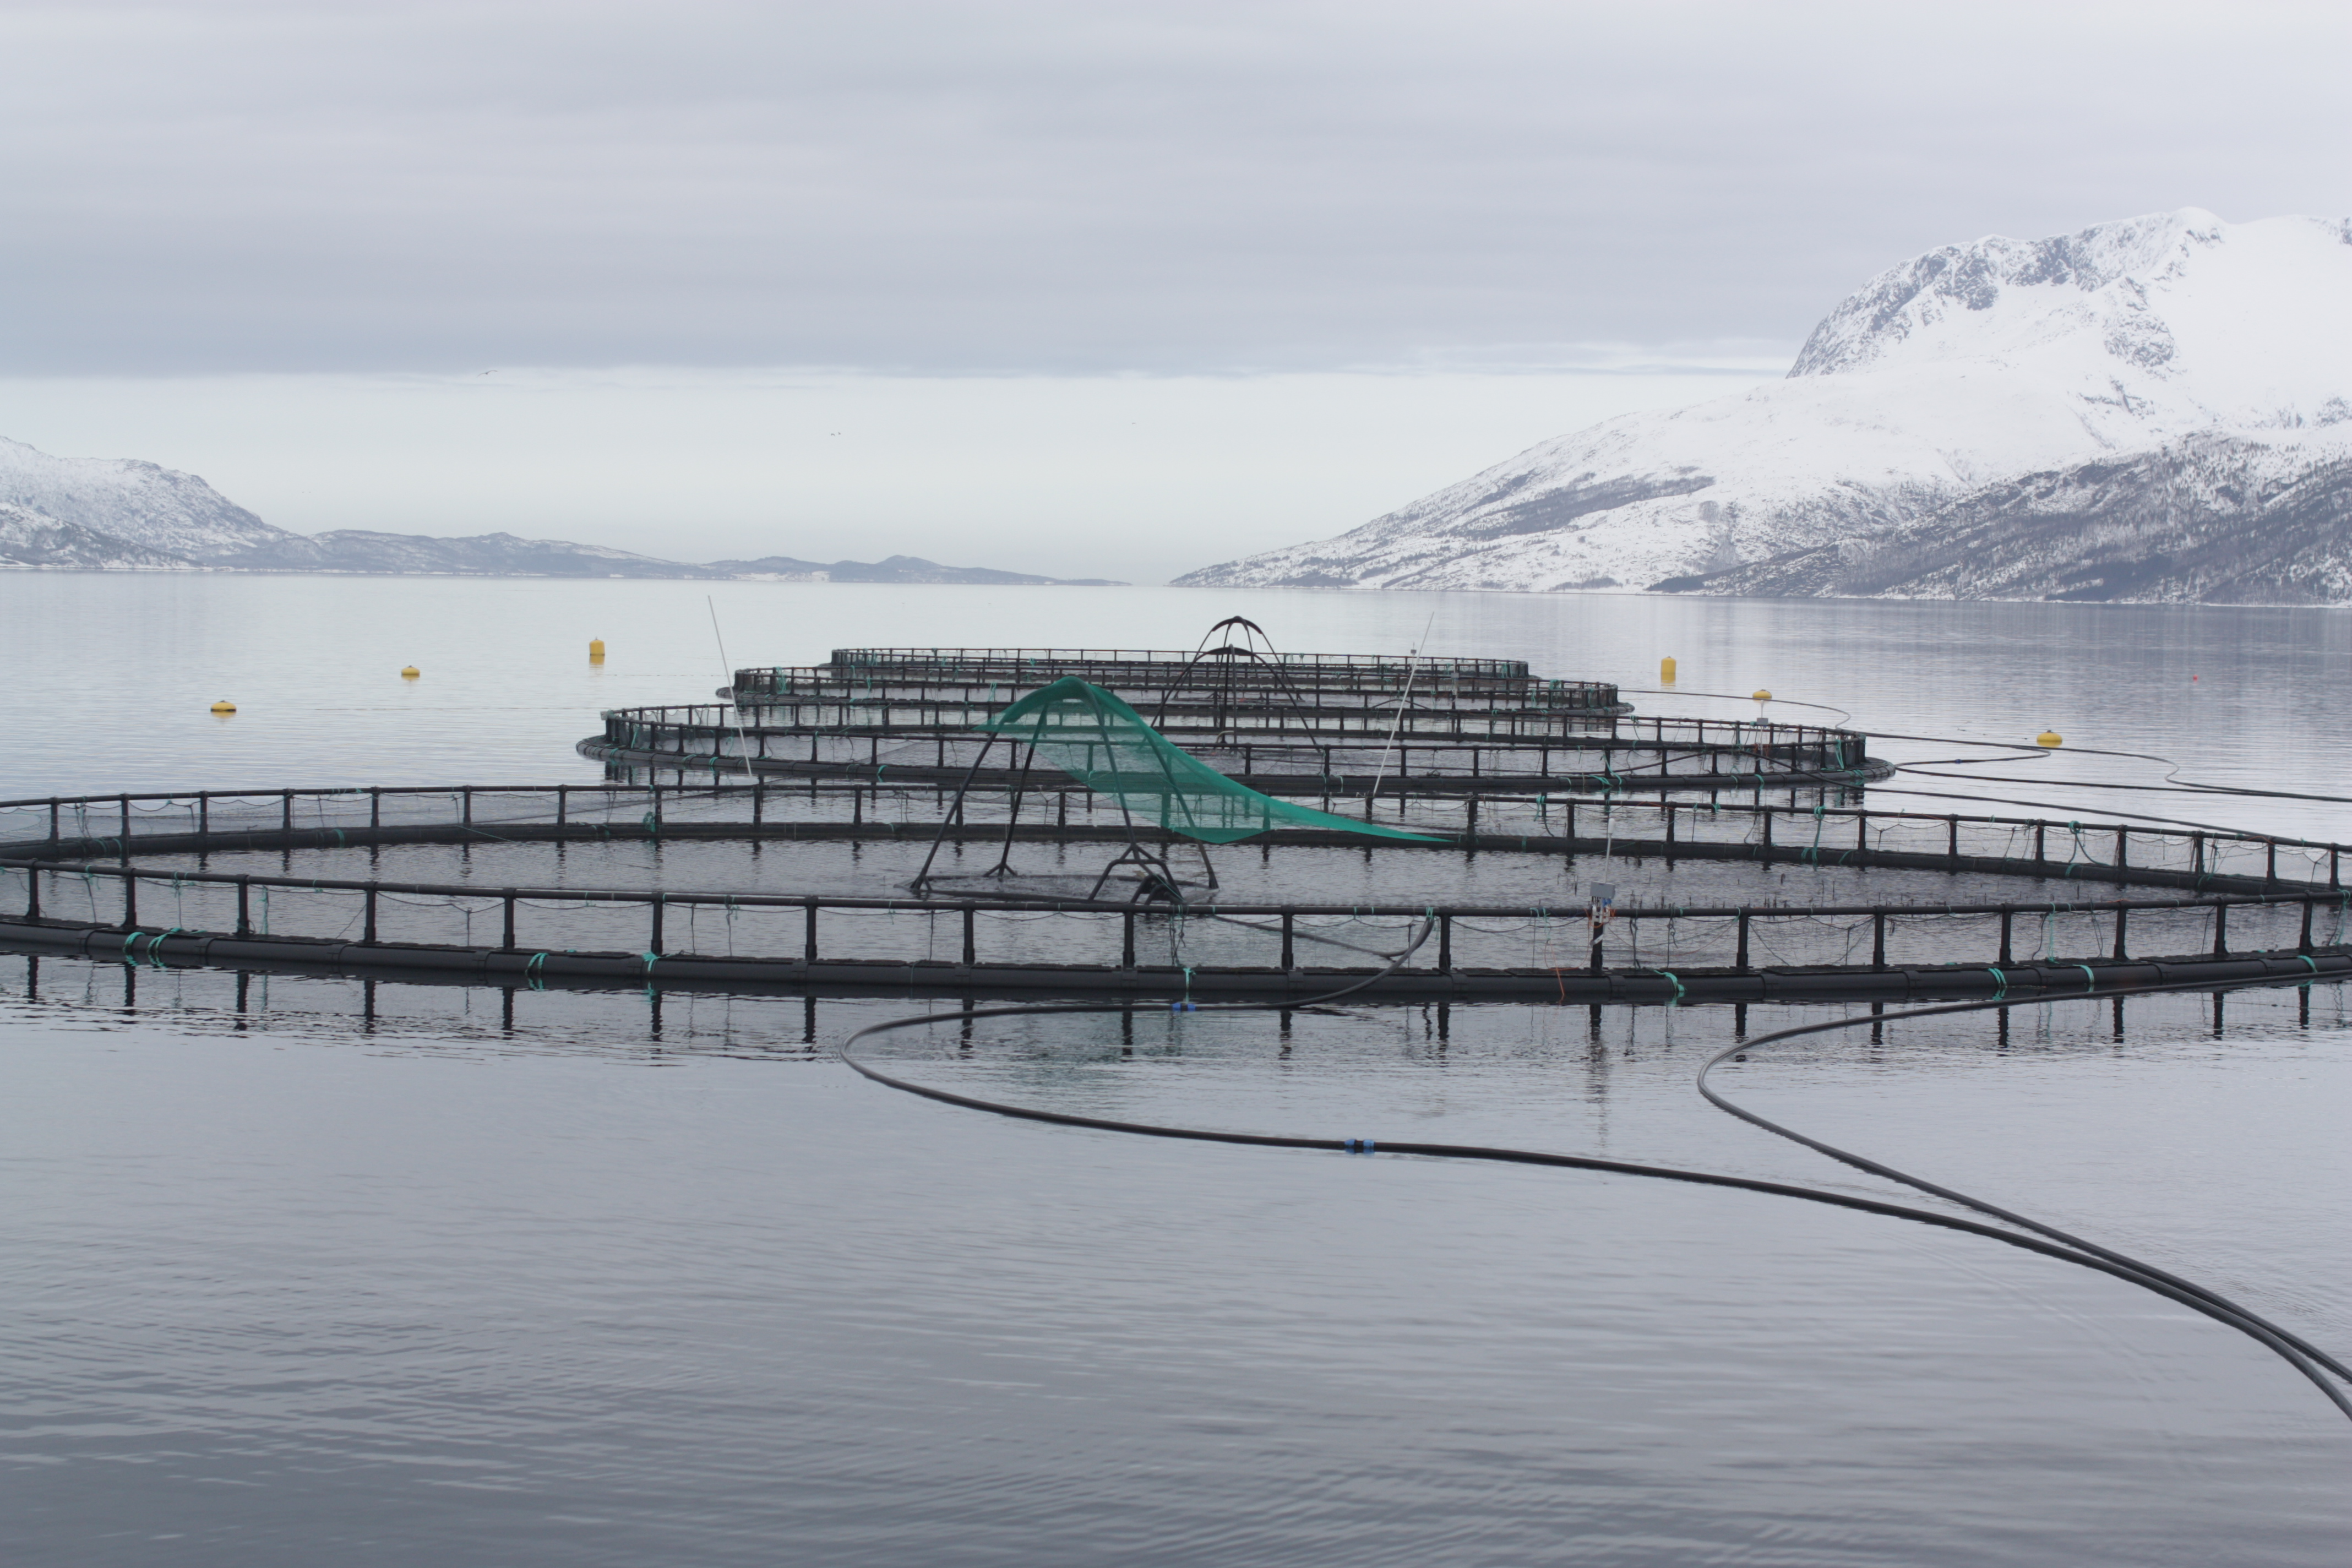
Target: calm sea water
563,1280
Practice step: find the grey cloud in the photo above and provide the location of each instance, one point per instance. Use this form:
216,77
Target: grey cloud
1080,186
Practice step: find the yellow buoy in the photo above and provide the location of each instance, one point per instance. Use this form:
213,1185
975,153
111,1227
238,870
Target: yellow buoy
596,650
1763,696
224,706
410,673
2049,738
1666,670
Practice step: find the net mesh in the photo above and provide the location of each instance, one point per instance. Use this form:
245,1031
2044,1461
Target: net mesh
1106,746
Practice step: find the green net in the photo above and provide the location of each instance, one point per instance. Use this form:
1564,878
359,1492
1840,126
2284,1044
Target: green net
1106,745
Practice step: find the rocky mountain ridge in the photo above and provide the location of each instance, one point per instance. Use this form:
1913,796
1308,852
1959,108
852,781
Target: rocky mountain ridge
2159,408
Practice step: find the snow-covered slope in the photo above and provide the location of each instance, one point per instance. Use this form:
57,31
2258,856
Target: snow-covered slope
2163,375
156,508
32,539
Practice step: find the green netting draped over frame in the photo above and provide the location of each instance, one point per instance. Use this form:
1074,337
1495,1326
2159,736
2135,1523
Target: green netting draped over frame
1106,745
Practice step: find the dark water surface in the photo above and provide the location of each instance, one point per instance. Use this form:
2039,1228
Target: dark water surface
428,1276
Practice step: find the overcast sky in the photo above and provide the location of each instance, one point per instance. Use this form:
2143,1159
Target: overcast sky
1065,191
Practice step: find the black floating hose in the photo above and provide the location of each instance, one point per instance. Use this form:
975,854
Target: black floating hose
2047,1241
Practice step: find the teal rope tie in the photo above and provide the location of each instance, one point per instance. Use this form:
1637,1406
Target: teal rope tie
2000,983
1675,981
2090,980
534,971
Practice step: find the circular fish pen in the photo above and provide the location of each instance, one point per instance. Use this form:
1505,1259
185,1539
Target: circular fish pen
1294,725
801,885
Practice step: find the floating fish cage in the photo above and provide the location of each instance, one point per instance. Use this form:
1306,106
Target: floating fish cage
1234,821
1293,725
807,886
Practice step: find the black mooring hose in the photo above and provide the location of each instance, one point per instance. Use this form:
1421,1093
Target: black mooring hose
2288,1346
1861,1163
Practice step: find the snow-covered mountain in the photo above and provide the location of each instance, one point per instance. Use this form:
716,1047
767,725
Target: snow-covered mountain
121,514
2159,408
110,515
141,505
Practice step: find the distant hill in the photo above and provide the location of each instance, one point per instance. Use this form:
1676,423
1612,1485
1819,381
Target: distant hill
2156,409
893,568
108,514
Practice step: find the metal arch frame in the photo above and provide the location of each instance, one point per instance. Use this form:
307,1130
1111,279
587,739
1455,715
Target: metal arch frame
1159,884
